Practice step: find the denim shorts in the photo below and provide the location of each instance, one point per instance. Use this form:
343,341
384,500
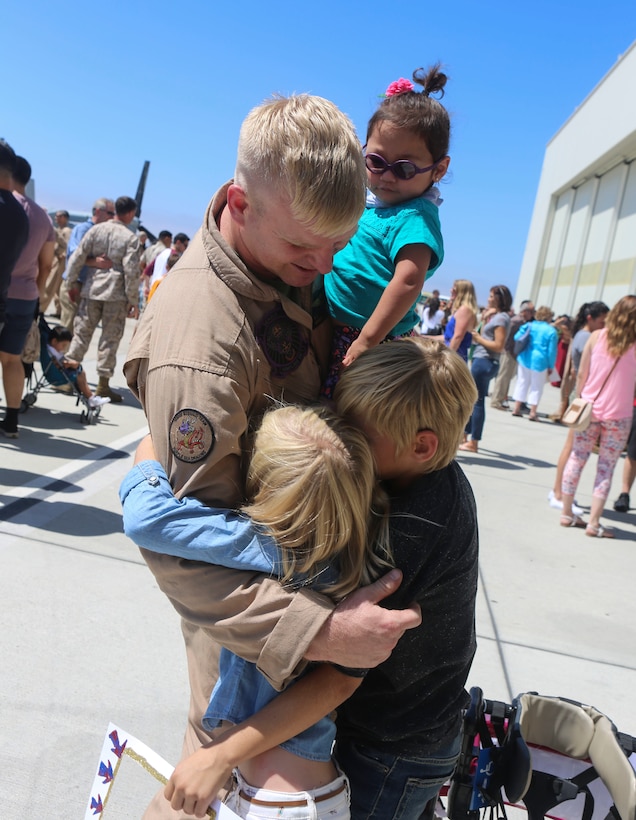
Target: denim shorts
399,787
20,314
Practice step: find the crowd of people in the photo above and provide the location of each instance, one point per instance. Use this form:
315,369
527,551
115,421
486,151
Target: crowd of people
98,272
535,348
319,393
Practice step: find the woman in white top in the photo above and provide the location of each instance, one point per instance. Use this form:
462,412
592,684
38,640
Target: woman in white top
432,318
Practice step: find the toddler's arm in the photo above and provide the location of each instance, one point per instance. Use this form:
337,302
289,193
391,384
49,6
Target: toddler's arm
412,263
198,778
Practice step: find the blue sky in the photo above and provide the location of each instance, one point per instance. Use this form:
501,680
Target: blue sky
98,88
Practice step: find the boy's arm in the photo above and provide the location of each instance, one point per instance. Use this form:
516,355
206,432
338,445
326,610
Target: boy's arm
197,779
412,263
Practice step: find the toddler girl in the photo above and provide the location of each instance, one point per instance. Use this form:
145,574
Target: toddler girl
378,277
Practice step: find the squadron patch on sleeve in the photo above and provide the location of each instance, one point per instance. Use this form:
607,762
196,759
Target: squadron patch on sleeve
191,436
282,341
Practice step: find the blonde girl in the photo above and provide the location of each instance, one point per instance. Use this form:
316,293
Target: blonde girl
311,486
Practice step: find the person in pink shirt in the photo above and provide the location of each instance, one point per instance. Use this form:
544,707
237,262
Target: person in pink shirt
27,283
607,376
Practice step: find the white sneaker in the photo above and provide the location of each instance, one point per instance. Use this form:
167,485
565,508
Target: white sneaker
97,401
554,502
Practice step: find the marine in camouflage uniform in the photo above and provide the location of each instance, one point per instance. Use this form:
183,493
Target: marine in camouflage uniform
109,294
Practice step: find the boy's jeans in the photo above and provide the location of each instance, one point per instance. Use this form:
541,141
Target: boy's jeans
391,787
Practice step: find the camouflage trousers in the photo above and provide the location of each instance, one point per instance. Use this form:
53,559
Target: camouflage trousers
112,315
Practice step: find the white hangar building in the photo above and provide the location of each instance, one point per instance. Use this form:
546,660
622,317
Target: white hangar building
581,244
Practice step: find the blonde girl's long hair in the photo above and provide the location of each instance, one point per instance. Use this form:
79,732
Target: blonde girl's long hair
465,295
621,326
312,487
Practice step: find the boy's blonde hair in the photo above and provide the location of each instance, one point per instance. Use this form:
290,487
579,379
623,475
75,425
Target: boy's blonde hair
408,385
312,487
304,147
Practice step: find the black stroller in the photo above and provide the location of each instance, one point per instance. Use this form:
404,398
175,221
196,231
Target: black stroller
550,757
53,375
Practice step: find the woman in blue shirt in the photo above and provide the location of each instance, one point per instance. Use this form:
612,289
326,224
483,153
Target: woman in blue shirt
535,361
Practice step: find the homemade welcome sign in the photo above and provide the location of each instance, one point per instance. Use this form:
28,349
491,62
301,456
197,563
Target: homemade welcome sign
128,774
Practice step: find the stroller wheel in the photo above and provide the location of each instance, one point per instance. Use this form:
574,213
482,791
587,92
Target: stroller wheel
24,406
30,399
84,417
92,416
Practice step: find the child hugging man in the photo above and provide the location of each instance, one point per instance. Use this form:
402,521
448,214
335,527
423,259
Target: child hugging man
398,729
57,346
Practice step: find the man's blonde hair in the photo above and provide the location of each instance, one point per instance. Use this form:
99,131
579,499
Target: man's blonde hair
312,487
305,148
408,385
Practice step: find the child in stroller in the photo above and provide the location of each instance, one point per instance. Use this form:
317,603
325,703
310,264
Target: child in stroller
58,370
57,346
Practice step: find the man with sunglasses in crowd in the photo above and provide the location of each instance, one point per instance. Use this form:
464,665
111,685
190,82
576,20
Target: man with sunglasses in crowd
103,209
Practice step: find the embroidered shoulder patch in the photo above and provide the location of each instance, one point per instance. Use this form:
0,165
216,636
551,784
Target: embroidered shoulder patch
191,436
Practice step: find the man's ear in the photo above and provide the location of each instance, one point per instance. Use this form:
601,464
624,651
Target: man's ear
237,203
426,444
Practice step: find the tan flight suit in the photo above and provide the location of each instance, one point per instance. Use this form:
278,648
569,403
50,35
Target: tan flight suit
201,364
105,294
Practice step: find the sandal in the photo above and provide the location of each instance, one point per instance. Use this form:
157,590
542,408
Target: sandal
517,415
469,446
573,521
533,418
599,532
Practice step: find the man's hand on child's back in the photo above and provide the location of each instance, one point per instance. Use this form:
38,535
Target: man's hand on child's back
361,634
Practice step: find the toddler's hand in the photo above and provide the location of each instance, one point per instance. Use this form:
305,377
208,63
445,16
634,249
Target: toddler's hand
357,347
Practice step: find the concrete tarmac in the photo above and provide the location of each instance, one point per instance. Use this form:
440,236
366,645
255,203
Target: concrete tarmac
87,637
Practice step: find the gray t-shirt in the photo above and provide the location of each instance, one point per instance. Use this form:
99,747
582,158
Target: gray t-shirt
488,332
578,343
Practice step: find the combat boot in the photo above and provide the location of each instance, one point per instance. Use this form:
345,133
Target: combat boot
104,390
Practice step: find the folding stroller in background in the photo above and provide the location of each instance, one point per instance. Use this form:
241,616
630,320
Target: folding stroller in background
550,757
53,375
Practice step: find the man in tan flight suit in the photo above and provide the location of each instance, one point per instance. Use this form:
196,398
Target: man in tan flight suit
231,330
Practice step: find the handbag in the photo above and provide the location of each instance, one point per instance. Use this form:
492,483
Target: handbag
578,415
579,412
522,342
